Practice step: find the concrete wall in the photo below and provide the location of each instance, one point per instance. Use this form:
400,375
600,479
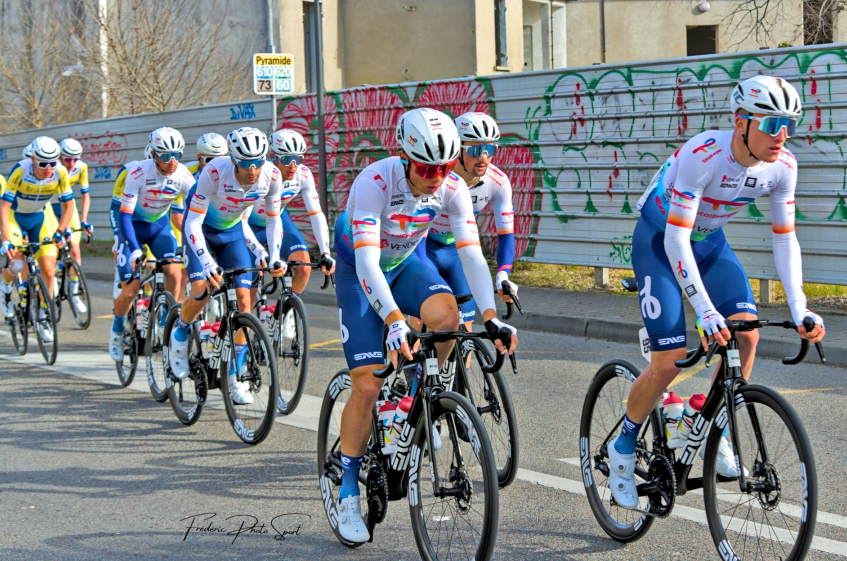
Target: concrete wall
656,29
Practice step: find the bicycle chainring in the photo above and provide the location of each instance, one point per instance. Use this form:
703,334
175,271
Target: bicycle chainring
662,501
377,493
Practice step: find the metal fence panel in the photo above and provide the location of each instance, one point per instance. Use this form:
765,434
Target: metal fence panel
580,146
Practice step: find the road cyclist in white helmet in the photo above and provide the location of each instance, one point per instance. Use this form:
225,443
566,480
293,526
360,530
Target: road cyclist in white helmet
287,148
217,234
71,151
153,190
679,247
209,146
487,184
380,276
30,186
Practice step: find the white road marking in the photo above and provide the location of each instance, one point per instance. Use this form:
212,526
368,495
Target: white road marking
97,366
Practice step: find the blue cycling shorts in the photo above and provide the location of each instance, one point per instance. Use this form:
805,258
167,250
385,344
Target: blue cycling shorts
157,235
449,266
658,290
36,227
292,240
362,335
228,248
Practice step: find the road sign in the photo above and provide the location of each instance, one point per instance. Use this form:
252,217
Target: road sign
273,74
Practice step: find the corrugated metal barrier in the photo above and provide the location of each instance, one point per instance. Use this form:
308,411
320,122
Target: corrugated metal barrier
580,146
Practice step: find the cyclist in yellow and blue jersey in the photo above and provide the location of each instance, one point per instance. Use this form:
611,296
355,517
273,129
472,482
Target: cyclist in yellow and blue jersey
30,186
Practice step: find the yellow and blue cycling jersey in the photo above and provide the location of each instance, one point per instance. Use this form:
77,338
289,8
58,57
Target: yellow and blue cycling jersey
2,185
194,169
29,194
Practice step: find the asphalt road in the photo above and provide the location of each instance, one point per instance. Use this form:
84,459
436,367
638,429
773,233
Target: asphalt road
91,470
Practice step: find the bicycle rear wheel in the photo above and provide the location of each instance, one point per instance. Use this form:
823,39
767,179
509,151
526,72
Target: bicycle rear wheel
602,414
157,315
329,451
251,421
776,522
42,311
291,343
490,393
129,362
82,317
19,325
462,524
187,396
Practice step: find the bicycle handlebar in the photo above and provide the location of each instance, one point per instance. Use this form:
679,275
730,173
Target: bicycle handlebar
693,357
507,291
441,337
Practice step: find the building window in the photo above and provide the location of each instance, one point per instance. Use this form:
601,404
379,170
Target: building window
500,33
818,21
527,48
544,34
702,40
309,47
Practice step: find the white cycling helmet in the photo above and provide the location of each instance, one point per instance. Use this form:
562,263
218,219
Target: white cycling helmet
287,142
428,136
211,144
45,149
767,95
70,148
27,152
477,127
247,143
166,139
148,152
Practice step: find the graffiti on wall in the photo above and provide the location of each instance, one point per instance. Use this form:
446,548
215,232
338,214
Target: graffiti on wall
105,149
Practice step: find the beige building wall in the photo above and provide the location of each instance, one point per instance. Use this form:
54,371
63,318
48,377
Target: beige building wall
656,29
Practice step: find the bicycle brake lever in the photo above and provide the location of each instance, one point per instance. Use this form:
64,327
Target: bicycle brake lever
819,347
514,363
711,352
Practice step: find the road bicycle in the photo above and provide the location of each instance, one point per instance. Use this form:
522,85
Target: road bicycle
767,512
453,493
34,306
142,337
288,327
66,269
252,422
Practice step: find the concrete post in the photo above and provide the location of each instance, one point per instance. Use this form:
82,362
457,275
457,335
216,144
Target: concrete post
767,291
601,277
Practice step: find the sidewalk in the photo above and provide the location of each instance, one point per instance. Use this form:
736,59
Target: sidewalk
600,315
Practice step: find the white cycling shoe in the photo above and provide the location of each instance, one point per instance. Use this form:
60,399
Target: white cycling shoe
726,466
7,306
350,524
116,345
178,356
240,391
622,478
78,305
45,330
288,329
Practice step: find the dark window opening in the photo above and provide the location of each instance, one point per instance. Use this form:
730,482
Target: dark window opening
702,40
818,21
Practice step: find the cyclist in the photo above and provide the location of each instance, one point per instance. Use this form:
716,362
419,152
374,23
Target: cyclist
487,184
209,146
30,186
381,276
153,188
216,229
286,149
77,175
679,243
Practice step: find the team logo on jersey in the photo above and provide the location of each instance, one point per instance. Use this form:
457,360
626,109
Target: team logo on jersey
750,182
288,195
366,287
199,197
162,193
136,173
365,224
705,147
383,244
729,206
684,196
420,219
680,272
247,200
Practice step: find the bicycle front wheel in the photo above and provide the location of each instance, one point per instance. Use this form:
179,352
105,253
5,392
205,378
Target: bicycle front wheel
129,341
291,343
250,392
776,519
43,317
460,520
490,393
602,415
76,291
19,325
157,315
